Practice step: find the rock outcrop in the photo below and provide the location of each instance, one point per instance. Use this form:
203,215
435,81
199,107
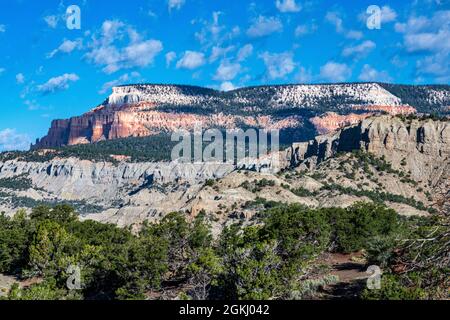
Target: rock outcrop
332,121
421,146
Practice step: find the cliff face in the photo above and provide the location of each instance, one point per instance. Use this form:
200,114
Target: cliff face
420,146
134,192
143,110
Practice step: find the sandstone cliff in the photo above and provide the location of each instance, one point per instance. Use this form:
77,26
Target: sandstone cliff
143,110
419,147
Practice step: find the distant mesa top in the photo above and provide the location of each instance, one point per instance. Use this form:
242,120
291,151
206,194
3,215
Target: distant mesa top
149,109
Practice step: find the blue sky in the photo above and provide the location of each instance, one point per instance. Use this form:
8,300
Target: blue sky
48,71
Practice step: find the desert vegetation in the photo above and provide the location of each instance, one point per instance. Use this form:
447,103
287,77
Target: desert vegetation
272,258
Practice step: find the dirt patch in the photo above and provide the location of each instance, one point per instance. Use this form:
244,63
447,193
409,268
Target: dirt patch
351,271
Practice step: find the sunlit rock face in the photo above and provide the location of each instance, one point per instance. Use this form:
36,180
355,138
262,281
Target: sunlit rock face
144,110
421,146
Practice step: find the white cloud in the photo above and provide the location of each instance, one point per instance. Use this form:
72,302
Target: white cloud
369,74
170,57
67,46
437,65
20,78
388,14
218,52
52,21
120,81
288,6
278,65
227,71
213,33
105,49
336,20
335,72
191,60
175,4
428,41
58,83
11,140
32,104
209,29
264,26
354,34
301,30
304,29
245,52
2,28
360,50
428,36
227,86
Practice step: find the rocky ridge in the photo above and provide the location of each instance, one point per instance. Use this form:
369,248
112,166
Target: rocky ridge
144,110
418,151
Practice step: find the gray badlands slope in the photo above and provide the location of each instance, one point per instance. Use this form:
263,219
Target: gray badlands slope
408,170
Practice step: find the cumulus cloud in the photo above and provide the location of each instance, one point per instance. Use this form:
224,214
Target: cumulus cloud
67,46
335,72
32,104
10,140
278,65
354,34
218,52
264,26
175,4
227,71
360,50
245,52
20,78
213,33
210,31
106,49
288,6
227,86
304,29
428,36
58,83
120,81
437,65
335,19
191,60
387,15
170,57
370,74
